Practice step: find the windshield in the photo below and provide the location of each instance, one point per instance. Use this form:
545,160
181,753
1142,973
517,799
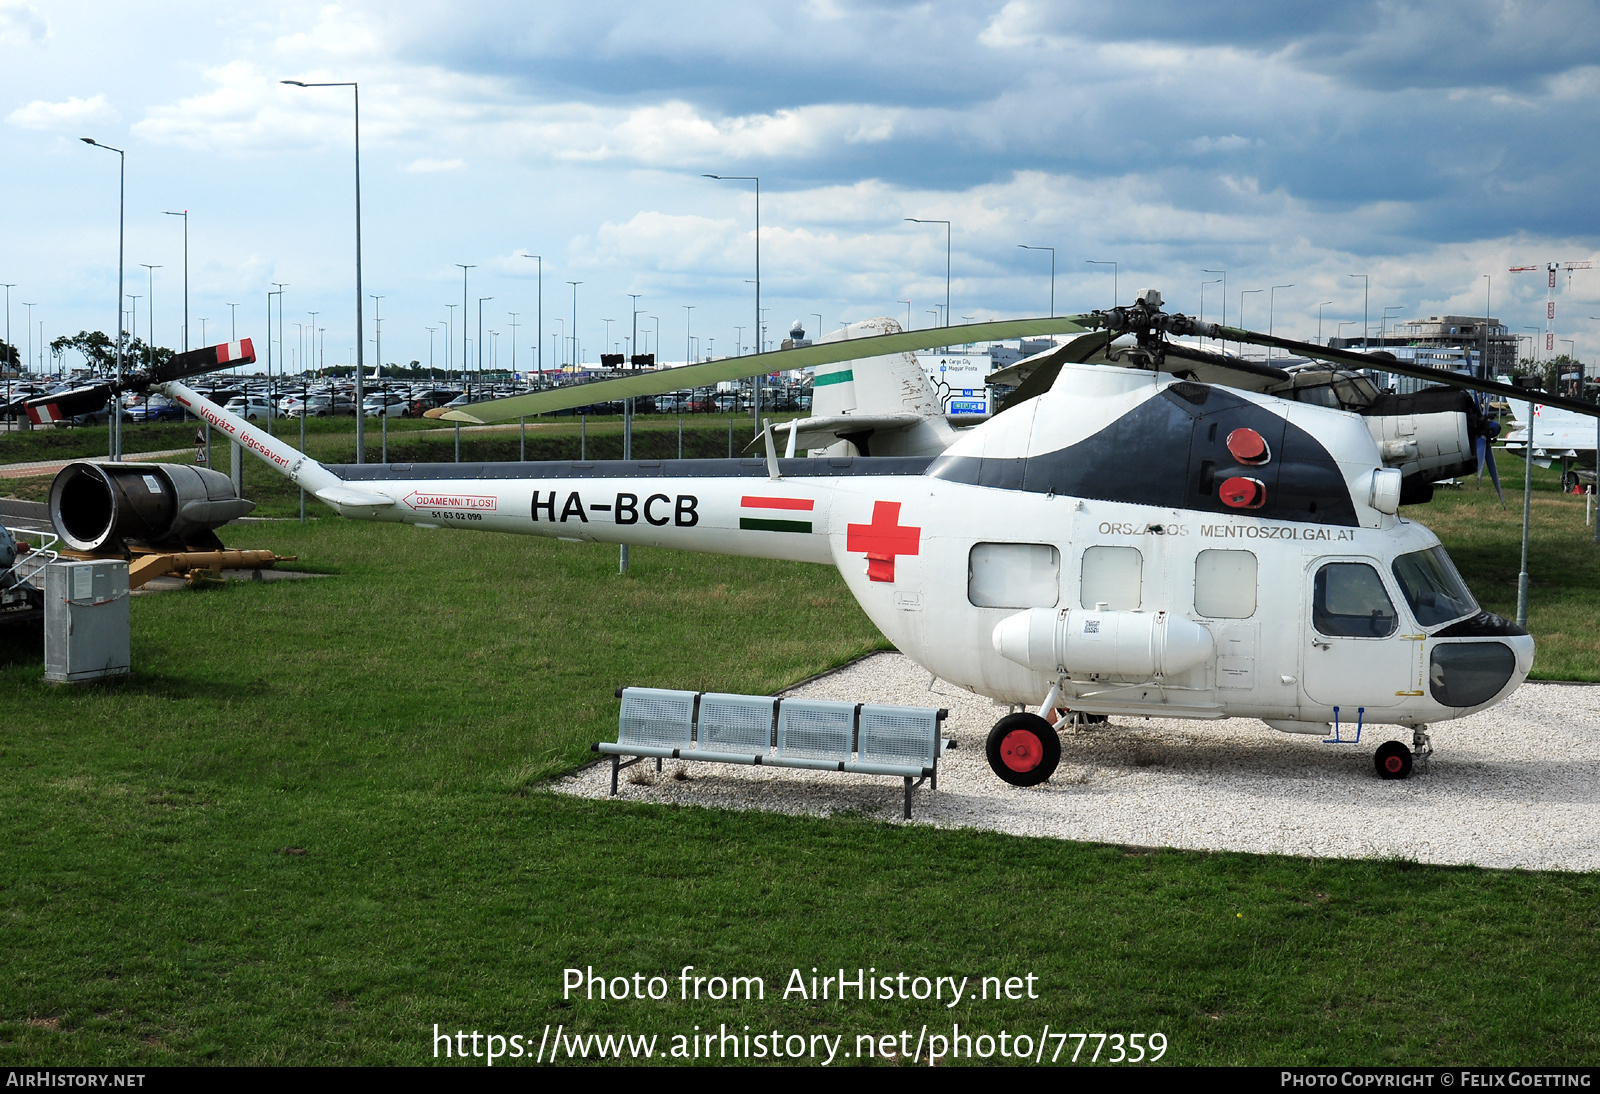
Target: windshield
1432,587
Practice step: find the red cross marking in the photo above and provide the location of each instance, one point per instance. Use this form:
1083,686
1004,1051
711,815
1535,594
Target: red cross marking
883,539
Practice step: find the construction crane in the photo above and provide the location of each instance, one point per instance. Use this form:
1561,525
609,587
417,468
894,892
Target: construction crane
1550,295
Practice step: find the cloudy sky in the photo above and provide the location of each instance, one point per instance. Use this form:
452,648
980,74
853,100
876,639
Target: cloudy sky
1422,144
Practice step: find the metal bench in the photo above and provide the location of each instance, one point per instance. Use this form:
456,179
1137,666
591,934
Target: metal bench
759,730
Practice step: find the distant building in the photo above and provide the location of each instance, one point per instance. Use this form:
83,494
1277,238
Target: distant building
1447,342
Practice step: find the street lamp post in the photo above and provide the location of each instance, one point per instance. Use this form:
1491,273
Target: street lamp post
627,416
907,303
1319,319
481,299
449,339
27,324
1116,298
1052,250
271,389
1366,326
185,216
756,408
1224,274
688,316
946,223
575,285
377,333
1483,365
1272,302
122,220
539,344
150,347
360,330
1242,294
1203,285
10,349
464,268
1383,323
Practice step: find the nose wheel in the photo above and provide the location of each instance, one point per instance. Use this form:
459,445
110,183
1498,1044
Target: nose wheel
1393,760
1023,749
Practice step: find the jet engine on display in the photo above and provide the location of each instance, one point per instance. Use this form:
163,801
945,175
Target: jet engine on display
1151,530
161,517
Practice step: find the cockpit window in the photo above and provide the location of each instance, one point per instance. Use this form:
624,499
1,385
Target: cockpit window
1318,395
1350,602
1355,391
1432,587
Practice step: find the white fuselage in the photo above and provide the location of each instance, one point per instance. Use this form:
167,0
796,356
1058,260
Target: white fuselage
938,564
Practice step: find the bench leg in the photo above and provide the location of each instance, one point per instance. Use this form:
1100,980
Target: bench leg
908,797
658,764
616,762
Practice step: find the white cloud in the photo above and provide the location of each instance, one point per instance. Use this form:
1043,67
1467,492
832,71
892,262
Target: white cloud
75,113
21,24
1231,143
428,166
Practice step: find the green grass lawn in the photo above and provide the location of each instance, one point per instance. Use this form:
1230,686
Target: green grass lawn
333,439
314,825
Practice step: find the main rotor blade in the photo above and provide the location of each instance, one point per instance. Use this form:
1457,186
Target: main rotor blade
756,364
1044,376
1400,368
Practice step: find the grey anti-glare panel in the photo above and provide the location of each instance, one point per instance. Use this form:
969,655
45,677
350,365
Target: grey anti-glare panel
899,735
656,716
816,728
741,722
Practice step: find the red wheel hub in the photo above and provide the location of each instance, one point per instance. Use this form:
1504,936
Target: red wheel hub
1393,764
1021,750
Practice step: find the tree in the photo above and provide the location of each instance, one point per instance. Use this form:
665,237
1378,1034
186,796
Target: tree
10,358
98,351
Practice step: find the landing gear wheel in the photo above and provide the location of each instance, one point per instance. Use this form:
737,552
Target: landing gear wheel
1023,749
1393,760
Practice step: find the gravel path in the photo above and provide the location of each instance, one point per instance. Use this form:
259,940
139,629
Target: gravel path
1514,786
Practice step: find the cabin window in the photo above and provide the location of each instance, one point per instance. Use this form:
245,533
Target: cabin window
1225,584
1349,601
1013,575
1112,576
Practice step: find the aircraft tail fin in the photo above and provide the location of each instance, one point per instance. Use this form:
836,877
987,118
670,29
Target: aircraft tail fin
895,409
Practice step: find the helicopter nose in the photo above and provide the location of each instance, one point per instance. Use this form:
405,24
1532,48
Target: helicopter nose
1522,646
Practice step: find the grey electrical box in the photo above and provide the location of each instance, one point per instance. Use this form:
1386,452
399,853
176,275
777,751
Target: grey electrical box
86,621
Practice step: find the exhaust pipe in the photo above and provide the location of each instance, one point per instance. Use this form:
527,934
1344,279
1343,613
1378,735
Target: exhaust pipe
97,507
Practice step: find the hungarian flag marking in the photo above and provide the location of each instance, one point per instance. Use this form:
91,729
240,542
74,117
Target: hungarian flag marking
764,514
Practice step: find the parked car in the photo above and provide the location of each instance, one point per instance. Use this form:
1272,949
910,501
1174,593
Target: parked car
321,406
387,405
156,408
251,407
427,400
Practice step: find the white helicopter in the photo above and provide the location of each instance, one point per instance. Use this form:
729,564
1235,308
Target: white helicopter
1141,539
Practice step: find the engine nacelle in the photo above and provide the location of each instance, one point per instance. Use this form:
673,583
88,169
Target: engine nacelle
97,506
1082,642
